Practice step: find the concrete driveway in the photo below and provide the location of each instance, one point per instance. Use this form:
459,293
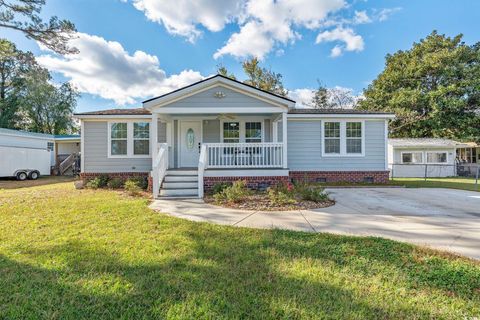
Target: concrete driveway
445,219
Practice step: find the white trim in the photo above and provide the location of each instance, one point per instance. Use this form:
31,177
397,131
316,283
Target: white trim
343,139
82,146
209,110
179,131
285,139
246,173
241,123
412,152
386,144
338,115
130,140
435,151
210,83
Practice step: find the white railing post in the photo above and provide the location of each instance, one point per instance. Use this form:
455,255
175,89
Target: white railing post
159,168
284,140
202,164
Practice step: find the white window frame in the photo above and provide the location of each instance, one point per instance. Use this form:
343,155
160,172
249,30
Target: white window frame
242,124
140,139
129,154
412,152
426,157
343,139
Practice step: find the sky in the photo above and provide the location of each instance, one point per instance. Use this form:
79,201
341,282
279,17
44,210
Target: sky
131,50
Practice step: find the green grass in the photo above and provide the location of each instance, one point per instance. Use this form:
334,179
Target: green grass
453,183
75,254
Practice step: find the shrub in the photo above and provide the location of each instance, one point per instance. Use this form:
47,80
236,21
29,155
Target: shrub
141,182
219,187
132,187
313,194
284,187
94,183
280,198
115,183
235,193
103,180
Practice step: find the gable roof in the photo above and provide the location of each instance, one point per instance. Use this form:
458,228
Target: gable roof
218,80
219,76
116,112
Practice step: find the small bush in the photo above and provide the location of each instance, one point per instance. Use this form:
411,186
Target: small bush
219,187
132,187
313,194
284,187
141,182
103,180
94,183
235,193
115,183
280,198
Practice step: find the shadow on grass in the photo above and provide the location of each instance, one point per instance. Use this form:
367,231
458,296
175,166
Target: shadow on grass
224,274
12,183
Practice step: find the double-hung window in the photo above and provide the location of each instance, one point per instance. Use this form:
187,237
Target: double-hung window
141,138
343,138
129,139
253,132
412,157
119,139
231,132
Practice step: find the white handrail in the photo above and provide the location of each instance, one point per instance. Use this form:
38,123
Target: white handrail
202,164
245,155
159,168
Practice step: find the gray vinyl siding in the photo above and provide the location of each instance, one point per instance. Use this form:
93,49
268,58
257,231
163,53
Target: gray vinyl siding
268,131
305,148
162,132
280,131
96,152
211,131
175,143
232,99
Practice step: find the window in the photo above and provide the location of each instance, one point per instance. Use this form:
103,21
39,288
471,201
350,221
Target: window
118,139
436,157
129,139
332,137
412,157
354,137
253,132
231,132
50,146
141,136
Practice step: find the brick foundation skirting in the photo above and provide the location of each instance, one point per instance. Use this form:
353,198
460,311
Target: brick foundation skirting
252,182
341,176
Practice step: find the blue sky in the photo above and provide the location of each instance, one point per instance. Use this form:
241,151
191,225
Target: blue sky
134,49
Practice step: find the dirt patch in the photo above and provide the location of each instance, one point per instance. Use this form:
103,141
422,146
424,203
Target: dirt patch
261,202
11,183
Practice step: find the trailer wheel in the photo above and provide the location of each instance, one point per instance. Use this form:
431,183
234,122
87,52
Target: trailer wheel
34,175
22,176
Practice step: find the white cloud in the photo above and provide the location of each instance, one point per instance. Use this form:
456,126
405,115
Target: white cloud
361,17
351,41
338,97
106,69
303,97
385,13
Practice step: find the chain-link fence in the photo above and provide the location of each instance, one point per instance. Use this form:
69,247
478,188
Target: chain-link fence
426,171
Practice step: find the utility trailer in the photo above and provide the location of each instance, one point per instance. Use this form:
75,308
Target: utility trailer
24,163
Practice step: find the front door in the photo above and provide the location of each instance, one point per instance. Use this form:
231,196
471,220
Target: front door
190,138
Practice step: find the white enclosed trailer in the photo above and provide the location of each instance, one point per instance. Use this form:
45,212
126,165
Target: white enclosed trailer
24,162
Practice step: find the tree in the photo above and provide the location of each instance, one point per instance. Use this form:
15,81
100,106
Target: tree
23,16
46,107
14,65
222,70
332,98
320,97
433,88
263,78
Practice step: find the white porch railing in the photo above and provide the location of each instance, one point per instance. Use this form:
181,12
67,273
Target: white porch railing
159,168
202,164
244,155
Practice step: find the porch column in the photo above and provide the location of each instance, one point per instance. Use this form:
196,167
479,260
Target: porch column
154,139
169,138
284,139
275,131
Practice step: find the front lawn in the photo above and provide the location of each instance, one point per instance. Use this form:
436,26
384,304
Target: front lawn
453,183
98,254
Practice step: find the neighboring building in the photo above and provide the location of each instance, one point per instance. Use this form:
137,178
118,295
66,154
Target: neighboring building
60,146
220,129
434,157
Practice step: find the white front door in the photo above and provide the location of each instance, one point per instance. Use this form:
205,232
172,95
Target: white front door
190,138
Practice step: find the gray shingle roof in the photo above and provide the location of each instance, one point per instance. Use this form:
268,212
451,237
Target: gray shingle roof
114,112
422,142
334,111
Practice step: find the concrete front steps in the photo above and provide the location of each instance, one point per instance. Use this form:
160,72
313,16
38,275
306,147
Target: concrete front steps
180,183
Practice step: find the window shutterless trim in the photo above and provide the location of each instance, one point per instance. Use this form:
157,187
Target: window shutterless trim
129,154
446,157
343,139
412,152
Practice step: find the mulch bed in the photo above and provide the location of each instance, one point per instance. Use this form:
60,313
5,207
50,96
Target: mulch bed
261,202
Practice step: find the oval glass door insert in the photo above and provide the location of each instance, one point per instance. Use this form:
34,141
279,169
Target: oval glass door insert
190,138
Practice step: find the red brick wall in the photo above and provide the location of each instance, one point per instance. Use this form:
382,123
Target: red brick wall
252,182
341,176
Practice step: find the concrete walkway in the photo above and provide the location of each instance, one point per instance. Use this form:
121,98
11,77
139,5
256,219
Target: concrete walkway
445,219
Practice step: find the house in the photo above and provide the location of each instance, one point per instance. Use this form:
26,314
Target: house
61,146
221,130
